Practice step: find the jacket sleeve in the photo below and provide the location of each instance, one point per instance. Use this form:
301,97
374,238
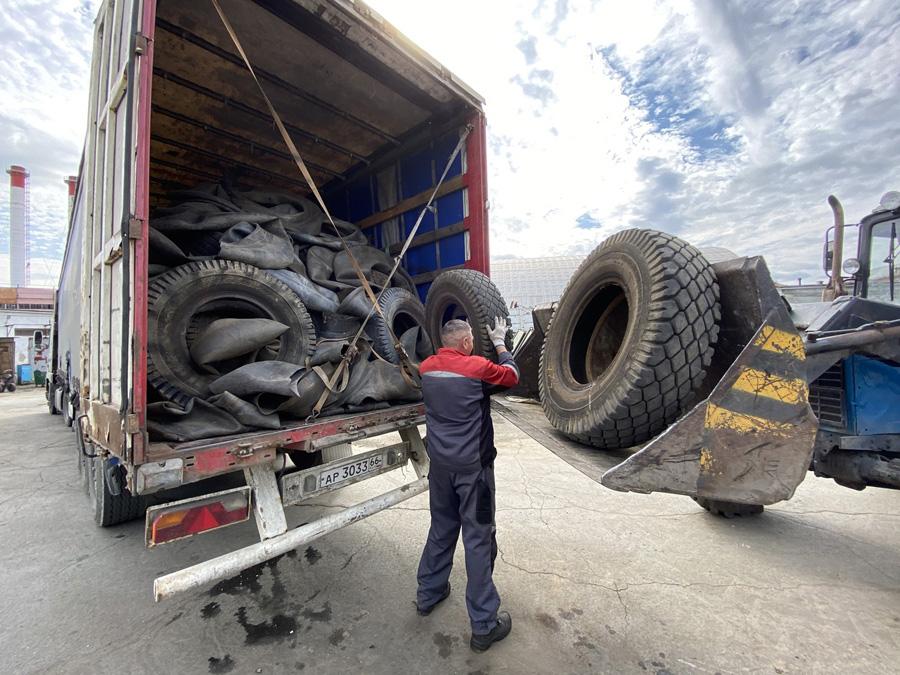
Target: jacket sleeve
500,375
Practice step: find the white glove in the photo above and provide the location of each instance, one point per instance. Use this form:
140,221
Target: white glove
498,332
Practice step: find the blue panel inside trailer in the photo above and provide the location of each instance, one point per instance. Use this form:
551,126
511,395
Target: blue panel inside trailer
411,176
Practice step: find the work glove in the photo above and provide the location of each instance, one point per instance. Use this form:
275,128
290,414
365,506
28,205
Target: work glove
498,332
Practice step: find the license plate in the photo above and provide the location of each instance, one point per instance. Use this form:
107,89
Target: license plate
298,486
341,474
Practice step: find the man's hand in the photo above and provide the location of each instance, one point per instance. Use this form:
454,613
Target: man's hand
498,332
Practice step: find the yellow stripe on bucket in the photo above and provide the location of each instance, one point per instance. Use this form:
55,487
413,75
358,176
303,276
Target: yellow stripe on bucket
773,339
775,387
722,418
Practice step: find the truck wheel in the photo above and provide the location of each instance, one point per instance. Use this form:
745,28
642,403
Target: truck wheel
728,509
112,509
468,295
51,397
402,310
214,288
67,407
630,340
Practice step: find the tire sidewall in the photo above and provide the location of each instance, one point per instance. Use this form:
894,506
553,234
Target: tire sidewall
168,325
624,266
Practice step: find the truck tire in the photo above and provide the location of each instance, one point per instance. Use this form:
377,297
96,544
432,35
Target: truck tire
467,295
51,397
728,509
176,297
110,509
68,409
402,310
630,340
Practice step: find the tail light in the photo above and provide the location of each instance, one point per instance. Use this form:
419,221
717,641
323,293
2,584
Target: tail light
178,520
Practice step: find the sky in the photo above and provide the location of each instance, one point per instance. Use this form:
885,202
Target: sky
726,123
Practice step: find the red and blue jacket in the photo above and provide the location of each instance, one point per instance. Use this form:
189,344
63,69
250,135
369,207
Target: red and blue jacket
457,390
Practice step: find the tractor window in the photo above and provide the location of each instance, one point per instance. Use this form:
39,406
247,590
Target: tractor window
885,249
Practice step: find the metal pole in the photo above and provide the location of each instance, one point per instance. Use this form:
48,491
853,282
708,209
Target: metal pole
837,282
232,563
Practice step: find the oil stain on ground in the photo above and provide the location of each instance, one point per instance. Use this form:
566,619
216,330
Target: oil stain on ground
323,614
312,555
445,644
223,665
548,621
174,618
210,610
337,637
276,629
246,581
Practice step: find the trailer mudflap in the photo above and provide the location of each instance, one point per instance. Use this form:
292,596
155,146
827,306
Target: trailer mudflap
749,442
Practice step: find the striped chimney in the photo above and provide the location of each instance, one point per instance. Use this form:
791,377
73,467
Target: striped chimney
72,182
18,235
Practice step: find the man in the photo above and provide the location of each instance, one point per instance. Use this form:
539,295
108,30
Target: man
456,387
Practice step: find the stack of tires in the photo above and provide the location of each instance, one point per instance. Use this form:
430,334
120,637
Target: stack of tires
254,300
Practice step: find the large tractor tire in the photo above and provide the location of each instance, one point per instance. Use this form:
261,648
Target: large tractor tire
630,340
182,297
468,295
728,509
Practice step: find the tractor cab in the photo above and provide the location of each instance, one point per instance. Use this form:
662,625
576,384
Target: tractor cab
872,274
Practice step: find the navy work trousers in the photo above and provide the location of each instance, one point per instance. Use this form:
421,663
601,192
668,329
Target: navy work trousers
462,500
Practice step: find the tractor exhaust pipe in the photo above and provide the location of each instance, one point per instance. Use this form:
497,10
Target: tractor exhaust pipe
835,287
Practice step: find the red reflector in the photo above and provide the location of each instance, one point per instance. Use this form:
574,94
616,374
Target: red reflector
183,519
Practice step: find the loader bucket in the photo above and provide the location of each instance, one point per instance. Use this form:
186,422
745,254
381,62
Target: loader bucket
751,440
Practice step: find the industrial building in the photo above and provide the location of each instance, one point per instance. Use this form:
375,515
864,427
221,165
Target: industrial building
526,282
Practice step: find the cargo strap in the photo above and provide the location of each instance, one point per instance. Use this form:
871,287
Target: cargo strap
405,361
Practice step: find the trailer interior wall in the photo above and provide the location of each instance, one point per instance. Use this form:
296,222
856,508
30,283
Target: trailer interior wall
375,125
172,105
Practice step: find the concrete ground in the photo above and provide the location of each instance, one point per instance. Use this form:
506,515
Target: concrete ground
596,581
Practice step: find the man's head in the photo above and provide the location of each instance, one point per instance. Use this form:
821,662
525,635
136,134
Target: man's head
457,335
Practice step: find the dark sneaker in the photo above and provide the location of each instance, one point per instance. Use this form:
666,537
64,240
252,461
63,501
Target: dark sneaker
425,611
481,643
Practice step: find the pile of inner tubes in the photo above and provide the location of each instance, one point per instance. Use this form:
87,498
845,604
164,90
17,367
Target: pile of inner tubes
253,302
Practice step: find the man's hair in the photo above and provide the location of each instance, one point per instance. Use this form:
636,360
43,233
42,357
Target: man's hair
454,331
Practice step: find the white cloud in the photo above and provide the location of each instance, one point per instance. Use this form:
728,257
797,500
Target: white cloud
45,51
726,123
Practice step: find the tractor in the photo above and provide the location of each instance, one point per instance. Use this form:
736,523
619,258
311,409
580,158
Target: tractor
730,393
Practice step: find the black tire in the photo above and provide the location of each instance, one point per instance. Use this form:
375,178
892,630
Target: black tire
179,295
630,340
68,409
10,387
2,386
51,395
305,460
728,509
467,295
402,310
112,509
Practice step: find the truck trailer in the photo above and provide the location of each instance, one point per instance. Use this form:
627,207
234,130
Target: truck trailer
394,142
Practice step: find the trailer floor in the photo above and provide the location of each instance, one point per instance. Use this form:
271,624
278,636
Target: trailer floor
595,580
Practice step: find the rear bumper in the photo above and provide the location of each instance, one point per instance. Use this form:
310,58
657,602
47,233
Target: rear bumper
171,465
